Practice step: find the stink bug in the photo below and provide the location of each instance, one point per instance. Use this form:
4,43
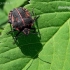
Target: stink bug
21,20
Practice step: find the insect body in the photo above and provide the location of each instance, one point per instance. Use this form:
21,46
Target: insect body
21,20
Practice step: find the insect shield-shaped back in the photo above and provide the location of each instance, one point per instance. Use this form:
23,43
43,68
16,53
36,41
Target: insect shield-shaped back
21,20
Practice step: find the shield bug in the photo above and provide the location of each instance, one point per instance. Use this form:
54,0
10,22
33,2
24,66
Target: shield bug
21,20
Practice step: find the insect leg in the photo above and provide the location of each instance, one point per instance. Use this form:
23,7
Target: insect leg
16,36
19,33
33,14
36,17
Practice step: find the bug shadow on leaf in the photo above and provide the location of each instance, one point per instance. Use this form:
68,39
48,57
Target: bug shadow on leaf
30,45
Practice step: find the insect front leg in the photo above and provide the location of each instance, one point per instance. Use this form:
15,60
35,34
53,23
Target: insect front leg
32,12
35,16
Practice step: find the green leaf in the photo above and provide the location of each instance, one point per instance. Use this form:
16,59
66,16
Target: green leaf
34,1
50,7
47,50
3,17
57,48
10,4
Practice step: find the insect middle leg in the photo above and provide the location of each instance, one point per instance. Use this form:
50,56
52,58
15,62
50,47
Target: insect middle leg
17,34
20,30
